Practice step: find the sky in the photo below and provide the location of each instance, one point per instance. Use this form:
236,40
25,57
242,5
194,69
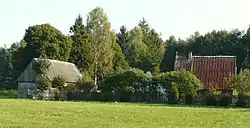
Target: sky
180,18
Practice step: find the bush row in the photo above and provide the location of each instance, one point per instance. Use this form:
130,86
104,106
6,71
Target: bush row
135,85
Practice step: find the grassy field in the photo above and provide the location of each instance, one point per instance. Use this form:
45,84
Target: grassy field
49,114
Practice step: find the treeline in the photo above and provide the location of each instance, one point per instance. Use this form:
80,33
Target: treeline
98,51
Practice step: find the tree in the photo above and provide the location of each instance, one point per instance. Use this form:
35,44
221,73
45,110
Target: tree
41,67
136,51
81,51
186,83
121,85
58,82
6,68
119,60
246,49
155,44
45,41
240,83
100,35
122,38
167,63
17,51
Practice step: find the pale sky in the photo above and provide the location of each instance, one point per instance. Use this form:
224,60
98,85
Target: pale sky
180,18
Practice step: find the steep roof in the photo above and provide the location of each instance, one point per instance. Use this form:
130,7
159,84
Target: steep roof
68,70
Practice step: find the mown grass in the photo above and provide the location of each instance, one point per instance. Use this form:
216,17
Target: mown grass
51,114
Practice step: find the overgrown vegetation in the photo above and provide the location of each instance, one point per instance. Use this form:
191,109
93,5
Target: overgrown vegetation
134,84
44,83
58,82
241,85
41,67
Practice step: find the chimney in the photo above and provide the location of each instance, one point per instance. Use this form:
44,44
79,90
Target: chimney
190,54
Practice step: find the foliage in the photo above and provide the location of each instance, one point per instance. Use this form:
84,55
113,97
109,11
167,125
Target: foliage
41,66
58,82
104,53
6,69
189,99
44,41
211,99
119,60
122,85
85,84
186,83
43,83
81,52
225,100
241,81
136,51
155,46
173,94
122,38
71,87
241,102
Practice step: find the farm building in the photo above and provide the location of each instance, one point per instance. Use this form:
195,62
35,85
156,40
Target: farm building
27,80
211,70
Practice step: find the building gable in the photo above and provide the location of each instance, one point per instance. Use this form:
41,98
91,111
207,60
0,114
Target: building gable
68,70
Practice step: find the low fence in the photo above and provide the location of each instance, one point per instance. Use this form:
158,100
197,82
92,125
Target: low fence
8,93
81,96
47,94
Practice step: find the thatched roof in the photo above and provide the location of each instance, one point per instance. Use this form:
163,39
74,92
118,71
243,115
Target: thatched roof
68,70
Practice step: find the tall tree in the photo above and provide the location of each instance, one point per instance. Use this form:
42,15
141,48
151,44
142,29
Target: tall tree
101,40
6,68
81,54
246,49
16,50
119,60
167,63
136,51
122,38
155,44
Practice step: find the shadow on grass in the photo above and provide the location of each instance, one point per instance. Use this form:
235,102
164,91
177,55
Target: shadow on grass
154,104
160,104
7,97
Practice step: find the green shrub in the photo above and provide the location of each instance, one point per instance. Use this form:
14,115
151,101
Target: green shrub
125,83
189,99
58,82
241,102
186,82
43,83
225,100
210,99
173,95
85,84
